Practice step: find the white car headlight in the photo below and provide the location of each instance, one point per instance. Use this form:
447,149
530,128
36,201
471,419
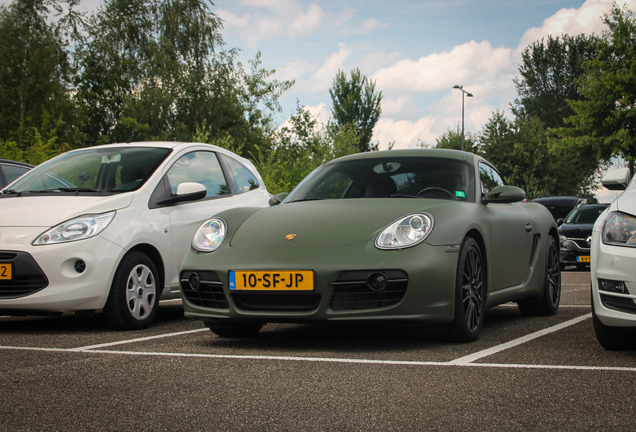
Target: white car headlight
405,232
210,235
80,228
620,229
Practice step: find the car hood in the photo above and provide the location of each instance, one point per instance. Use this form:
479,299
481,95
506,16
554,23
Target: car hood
576,230
48,211
325,223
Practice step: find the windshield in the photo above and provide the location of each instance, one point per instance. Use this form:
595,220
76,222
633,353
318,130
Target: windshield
112,170
584,215
390,177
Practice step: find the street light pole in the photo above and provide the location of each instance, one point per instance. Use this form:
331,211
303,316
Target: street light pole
464,92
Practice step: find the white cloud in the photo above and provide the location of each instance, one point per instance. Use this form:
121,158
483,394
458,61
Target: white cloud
322,78
586,19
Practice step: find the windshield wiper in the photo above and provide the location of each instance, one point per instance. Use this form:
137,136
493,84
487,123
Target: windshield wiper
306,199
10,191
79,189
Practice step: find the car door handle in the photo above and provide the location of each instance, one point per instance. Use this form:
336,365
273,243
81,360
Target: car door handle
528,227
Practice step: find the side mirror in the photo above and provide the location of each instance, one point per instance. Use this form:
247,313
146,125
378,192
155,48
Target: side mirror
505,195
277,199
559,221
617,179
187,191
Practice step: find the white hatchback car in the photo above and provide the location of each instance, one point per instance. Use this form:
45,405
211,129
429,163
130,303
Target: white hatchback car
106,227
613,260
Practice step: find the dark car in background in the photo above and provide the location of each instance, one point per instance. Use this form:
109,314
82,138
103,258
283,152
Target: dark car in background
11,170
575,233
560,206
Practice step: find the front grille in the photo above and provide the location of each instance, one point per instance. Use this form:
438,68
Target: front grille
621,304
277,302
209,294
26,275
581,243
352,292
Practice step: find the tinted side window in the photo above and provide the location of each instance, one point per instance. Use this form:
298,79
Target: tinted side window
245,180
12,172
490,178
199,167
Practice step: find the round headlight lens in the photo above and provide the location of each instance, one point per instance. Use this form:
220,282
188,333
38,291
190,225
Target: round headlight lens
210,235
405,232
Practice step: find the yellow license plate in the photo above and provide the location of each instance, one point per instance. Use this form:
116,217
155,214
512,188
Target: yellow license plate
5,271
274,280
583,259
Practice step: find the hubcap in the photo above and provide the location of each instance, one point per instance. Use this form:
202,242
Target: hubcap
141,291
472,287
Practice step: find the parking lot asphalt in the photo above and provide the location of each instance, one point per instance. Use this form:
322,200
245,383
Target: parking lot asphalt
524,373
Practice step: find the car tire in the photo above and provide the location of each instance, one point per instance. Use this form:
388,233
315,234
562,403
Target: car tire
548,304
613,338
134,294
234,329
470,294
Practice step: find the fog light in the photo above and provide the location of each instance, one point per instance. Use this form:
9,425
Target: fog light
195,281
80,266
618,287
377,281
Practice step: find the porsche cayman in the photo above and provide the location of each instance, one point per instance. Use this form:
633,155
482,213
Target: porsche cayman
411,237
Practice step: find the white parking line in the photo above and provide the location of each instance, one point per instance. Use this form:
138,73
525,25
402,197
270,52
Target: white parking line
143,339
513,343
466,361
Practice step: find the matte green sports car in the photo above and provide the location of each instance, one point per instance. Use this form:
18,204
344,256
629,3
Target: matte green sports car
413,237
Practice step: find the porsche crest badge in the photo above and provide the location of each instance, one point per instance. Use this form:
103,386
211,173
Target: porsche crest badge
290,236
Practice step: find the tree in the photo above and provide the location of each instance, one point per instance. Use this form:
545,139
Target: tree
156,70
300,147
604,122
34,78
452,139
550,71
521,152
355,102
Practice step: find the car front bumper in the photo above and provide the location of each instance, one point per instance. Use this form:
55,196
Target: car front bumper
428,296
575,251
616,264
61,286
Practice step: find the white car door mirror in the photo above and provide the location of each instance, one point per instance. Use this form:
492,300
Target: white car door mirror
617,179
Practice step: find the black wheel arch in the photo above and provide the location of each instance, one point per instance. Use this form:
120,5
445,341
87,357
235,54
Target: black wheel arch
479,238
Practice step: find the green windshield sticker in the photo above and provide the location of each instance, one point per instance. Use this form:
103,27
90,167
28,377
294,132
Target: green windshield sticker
460,194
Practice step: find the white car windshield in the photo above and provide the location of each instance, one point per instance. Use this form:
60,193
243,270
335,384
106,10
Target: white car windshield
95,170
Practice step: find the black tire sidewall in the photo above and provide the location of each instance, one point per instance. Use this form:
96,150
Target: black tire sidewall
116,310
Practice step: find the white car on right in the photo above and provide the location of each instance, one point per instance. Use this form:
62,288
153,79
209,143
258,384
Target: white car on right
613,266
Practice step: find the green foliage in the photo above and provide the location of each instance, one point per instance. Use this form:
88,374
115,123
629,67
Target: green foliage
452,139
521,152
35,72
356,103
301,147
604,123
550,71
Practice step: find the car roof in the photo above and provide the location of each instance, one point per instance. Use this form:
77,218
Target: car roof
430,152
12,162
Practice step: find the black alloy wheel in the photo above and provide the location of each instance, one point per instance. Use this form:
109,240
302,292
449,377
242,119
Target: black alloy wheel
470,296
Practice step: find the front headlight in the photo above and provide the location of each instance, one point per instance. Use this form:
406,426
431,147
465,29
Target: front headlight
405,232
619,229
80,228
210,235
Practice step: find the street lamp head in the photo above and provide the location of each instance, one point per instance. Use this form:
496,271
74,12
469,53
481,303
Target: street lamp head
469,95
457,86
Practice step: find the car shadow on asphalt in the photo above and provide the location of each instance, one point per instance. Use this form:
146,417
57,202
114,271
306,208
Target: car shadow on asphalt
77,324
